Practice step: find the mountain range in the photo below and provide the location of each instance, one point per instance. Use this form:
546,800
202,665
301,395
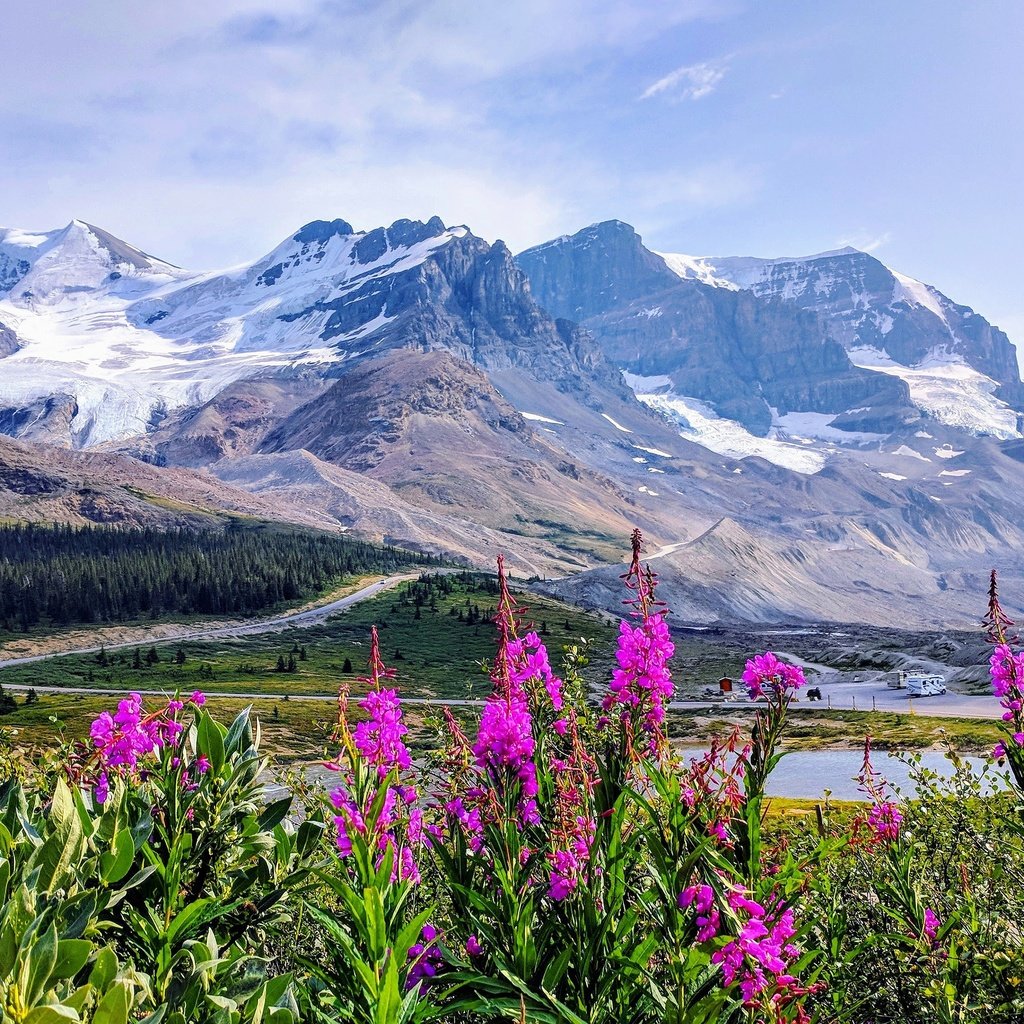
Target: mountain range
813,438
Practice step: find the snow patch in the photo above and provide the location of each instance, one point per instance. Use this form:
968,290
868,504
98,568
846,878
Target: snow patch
617,426
892,476
955,472
947,452
536,416
803,425
909,453
700,423
944,386
652,451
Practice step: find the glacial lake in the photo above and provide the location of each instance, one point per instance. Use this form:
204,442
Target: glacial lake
806,774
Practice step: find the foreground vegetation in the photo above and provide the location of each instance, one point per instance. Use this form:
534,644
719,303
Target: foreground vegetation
57,576
550,862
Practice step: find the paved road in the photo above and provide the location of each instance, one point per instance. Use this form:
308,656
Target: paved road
329,698
299,620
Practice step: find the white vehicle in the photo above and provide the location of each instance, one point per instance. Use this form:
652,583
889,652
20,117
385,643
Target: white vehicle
925,686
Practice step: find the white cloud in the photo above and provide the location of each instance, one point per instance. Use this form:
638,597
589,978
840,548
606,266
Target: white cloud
692,82
866,241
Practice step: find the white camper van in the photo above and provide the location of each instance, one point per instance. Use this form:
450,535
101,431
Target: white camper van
925,686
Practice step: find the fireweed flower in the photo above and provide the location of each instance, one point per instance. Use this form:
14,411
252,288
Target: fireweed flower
884,819
931,925
376,743
766,675
505,745
760,956
641,686
425,957
707,918
123,741
1007,674
712,785
574,827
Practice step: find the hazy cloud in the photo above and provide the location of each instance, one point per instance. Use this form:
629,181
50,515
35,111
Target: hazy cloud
692,82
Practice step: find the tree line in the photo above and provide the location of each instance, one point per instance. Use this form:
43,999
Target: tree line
63,575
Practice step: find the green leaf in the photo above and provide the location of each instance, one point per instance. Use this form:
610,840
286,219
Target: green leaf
116,864
104,969
210,741
42,960
274,814
239,736
113,1007
72,955
50,1015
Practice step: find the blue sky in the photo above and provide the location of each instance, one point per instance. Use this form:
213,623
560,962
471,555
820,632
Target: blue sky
205,132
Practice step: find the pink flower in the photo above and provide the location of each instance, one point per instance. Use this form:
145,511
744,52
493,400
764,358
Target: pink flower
642,684
766,672
379,739
473,947
885,818
931,925
702,898
759,957
425,958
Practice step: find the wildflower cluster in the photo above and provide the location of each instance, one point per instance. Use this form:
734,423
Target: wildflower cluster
766,676
378,807
1007,674
884,818
574,828
760,954
641,686
124,741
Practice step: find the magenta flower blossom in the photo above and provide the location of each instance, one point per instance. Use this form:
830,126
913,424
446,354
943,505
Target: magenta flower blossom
885,819
123,739
641,686
528,661
379,739
425,958
702,899
473,947
765,673
643,680
569,865
931,925
759,957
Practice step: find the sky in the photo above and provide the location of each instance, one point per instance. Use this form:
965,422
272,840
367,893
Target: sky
206,132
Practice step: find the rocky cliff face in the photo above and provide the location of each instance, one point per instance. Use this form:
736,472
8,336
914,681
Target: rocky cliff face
866,305
742,353
8,341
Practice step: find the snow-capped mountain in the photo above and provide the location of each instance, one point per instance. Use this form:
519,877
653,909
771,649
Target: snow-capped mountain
958,367
417,384
130,338
792,360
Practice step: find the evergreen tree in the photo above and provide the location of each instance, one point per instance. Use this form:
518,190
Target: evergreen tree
152,657
179,657
136,659
280,663
31,697
302,654
291,663
347,666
